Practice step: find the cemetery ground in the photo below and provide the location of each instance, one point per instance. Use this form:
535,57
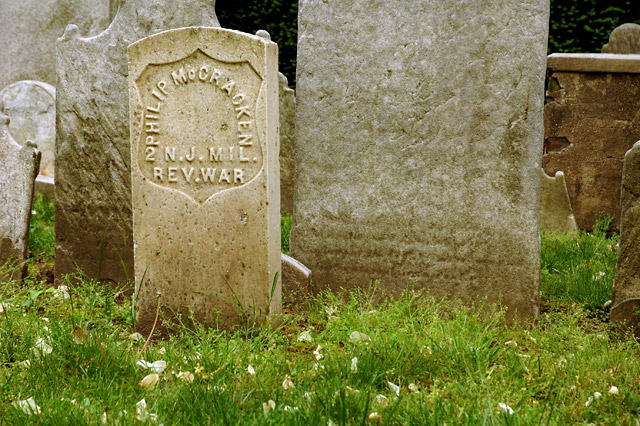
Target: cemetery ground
72,355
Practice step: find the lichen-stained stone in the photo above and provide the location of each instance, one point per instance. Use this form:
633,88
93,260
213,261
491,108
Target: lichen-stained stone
555,207
287,136
418,141
592,118
31,106
29,29
205,176
93,175
625,306
296,283
18,170
624,39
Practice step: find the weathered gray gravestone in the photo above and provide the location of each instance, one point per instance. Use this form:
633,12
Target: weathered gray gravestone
31,106
626,289
287,136
18,169
624,39
418,141
29,29
205,176
93,176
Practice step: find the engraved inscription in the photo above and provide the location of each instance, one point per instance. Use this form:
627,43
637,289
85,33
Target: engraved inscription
199,134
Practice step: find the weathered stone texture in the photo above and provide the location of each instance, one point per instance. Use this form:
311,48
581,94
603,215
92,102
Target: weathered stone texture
29,31
205,176
31,106
287,136
556,214
418,140
591,120
296,282
93,176
626,289
18,169
624,39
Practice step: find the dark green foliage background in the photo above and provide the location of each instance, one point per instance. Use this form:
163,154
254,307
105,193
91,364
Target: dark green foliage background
580,26
583,26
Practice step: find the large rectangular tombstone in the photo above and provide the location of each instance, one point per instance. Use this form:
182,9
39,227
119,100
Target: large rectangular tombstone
205,175
18,169
93,175
418,144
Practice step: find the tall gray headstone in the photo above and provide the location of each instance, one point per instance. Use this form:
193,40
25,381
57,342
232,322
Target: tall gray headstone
418,141
93,175
625,308
31,106
18,169
29,29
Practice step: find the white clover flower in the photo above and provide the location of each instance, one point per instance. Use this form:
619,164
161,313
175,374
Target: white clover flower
156,366
305,336
41,348
354,364
287,383
317,353
613,390
28,406
251,370
62,291
505,408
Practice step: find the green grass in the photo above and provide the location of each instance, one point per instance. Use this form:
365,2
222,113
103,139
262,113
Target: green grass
451,364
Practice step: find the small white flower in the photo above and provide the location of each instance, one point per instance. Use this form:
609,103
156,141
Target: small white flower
289,408
156,366
596,395
331,310
354,365
142,414
251,370
26,363
382,401
28,406
62,291
287,383
351,391
524,355
149,381
185,376
589,401
162,350
41,348
505,408
268,406
613,390
305,336
308,396
357,337
394,388
317,353
317,366
413,387
331,423
511,343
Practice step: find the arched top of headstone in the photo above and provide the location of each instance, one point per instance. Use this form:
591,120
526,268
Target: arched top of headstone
624,39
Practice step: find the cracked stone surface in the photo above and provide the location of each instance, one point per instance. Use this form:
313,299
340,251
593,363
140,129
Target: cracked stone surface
626,289
418,140
591,120
30,29
93,175
18,169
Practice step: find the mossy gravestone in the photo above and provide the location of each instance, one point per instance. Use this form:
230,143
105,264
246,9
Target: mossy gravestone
205,176
418,141
93,175
18,169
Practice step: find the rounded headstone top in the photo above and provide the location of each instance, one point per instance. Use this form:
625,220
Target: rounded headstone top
264,34
625,39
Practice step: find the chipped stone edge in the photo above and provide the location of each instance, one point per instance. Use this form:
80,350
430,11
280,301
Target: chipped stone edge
594,62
